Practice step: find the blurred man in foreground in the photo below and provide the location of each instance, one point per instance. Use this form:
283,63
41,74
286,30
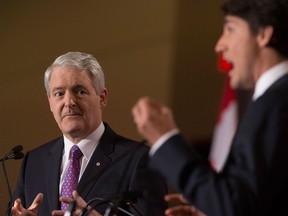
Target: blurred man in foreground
253,180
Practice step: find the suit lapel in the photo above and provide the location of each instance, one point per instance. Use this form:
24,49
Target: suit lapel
53,174
98,162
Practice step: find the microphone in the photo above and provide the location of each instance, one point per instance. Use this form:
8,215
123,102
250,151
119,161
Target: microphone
17,148
114,201
124,197
18,156
16,153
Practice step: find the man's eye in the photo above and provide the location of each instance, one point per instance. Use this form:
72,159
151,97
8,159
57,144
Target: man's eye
81,92
58,94
229,29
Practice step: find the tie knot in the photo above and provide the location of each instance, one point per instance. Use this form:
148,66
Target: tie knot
75,152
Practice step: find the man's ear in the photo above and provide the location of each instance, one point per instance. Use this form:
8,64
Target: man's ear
103,98
264,36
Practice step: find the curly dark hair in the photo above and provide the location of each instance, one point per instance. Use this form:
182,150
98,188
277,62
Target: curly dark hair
261,13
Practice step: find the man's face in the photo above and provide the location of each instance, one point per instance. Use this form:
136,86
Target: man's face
239,47
74,103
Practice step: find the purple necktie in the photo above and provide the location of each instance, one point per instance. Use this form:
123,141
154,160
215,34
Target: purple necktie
72,175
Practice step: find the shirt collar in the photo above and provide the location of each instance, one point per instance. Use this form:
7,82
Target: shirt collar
88,144
269,77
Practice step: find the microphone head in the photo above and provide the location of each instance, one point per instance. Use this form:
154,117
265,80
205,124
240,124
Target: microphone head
18,156
17,148
15,153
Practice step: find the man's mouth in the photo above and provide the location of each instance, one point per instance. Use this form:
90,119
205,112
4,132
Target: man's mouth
70,115
227,64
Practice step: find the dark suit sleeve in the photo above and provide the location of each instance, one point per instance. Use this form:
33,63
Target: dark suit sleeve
153,188
252,180
191,175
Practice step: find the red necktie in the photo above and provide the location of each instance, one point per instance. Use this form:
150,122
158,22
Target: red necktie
72,175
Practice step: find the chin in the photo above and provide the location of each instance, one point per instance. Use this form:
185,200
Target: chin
234,84
72,128
241,86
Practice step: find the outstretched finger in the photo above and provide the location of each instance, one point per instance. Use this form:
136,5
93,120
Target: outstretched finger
36,202
183,210
17,205
175,197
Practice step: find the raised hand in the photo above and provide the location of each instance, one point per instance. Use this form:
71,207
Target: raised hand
19,210
152,119
183,209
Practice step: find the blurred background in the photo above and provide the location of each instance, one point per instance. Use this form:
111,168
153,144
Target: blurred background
163,48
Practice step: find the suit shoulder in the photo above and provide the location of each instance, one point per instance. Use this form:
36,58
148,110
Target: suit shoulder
122,142
128,143
46,146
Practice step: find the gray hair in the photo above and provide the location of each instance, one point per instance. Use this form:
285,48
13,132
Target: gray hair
81,61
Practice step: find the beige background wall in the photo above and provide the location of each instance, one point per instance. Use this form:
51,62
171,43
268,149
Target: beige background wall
160,48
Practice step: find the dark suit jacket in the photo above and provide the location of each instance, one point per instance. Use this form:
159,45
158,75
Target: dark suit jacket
254,180
122,164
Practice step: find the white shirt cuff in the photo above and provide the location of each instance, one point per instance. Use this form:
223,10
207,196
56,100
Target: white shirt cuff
162,140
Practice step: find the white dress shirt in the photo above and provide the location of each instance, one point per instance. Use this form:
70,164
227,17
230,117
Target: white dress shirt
269,77
87,146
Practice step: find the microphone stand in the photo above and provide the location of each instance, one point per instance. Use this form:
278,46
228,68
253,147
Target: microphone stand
112,209
6,178
15,154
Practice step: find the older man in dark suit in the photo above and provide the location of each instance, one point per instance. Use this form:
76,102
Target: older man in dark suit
90,157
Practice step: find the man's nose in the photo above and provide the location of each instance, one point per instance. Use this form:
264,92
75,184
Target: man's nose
220,45
70,100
